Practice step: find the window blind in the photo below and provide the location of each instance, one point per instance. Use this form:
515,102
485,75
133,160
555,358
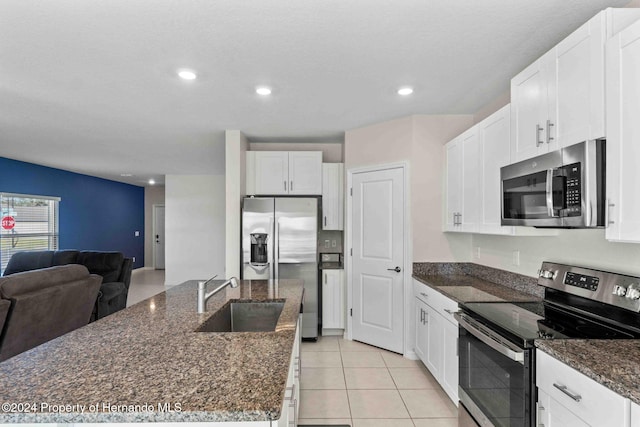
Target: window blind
27,223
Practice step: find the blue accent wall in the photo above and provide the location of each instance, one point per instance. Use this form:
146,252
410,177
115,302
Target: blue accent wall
95,213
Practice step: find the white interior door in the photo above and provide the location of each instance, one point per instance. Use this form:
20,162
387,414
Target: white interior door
378,258
158,237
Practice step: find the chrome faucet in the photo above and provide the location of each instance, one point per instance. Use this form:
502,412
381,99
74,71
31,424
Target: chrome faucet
203,296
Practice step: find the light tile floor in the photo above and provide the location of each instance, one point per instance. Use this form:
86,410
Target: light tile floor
347,382
145,284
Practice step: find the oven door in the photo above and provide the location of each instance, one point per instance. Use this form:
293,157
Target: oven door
496,377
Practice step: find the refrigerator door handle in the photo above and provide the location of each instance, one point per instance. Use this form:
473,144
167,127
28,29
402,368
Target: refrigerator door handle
271,256
276,251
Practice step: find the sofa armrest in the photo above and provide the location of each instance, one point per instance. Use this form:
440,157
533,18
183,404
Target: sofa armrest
109,291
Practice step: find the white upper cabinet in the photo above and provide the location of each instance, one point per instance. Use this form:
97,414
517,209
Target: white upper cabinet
559,100
623,135
305,172
272,172
284,173
530,122
494,153
462,182
453,194
333,196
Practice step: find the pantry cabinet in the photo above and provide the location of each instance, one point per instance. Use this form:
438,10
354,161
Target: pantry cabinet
333,297
437,336
623,147
284,173
559,100
333,196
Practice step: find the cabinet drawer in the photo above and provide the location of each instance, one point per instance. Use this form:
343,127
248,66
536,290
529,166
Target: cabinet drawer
592,402
437,301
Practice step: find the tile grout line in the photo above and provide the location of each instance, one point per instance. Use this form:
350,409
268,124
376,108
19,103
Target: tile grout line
346,388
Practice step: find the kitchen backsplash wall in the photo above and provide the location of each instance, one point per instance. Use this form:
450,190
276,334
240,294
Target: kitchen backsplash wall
330,241
587,248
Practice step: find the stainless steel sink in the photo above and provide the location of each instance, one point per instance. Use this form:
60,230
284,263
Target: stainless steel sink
244,317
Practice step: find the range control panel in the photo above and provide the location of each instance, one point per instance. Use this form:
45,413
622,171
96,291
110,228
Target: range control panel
582,281
616,289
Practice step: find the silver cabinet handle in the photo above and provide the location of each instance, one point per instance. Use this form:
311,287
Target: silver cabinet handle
459,218
422,316
424,295
325,220
563,388
285,185
549,137
607,221
538,130
448,311
325,278
291,186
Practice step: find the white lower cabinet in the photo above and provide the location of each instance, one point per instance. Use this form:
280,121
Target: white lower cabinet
291,404
568,398
635,414
437,337
333,311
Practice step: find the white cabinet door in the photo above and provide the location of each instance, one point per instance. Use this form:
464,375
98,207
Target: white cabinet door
623,133
470,198
333,299
305,172
450,360
421,330
333,196
434,342
528,111
635,414
579,84
272,172
495,146
453,190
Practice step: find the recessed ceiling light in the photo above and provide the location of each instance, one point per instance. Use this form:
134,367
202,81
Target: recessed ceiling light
404,91
151,182
263,90
187,75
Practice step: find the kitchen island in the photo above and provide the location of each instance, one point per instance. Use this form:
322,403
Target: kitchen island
146,364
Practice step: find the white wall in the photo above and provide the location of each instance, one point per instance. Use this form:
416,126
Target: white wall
194,227
235,182
419,141
153,195
332,152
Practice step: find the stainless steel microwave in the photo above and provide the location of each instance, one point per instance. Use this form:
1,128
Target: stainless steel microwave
561,189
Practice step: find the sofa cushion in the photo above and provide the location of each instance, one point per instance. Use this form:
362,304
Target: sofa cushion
64,257
45,304
36,280
4,310
25,261
106,264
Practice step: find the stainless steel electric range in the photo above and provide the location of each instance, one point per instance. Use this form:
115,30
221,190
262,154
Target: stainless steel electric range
496,345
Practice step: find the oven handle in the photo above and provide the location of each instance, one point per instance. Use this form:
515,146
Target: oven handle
483,334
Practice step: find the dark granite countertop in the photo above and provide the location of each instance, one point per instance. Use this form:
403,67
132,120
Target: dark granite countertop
149,355
612,363
464,288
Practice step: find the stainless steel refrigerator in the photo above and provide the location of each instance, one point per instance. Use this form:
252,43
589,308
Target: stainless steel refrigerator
279,241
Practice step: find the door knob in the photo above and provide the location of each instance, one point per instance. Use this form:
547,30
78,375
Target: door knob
397,269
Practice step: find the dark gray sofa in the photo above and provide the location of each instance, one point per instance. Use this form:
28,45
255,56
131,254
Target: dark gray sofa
114,268
45,304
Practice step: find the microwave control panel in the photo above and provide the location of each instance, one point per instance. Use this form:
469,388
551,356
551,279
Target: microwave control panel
573,190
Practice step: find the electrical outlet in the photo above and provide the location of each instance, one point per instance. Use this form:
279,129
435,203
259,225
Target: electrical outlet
134,260
515,258
333,244
327,243
478,252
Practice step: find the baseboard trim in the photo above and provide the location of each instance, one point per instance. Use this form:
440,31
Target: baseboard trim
411,355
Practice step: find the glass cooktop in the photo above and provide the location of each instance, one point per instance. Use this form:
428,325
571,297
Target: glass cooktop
538,320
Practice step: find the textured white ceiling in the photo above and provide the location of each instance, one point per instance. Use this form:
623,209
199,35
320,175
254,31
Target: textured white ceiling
90,86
